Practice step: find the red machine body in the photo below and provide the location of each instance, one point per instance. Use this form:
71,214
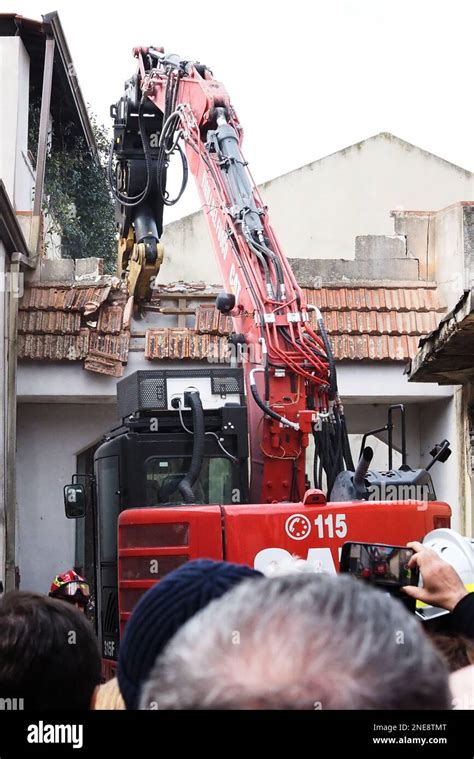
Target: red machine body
152,542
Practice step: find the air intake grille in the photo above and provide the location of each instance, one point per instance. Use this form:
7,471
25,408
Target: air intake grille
225,385
147,390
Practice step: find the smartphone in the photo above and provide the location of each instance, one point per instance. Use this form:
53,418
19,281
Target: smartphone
382,565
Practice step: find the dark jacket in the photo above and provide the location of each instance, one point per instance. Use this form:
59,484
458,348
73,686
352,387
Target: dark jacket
461,619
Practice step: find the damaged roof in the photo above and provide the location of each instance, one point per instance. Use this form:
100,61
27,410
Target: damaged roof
80,321
90,322
363,323
65,297
445,355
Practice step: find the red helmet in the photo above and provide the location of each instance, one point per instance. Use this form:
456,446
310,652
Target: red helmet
69,586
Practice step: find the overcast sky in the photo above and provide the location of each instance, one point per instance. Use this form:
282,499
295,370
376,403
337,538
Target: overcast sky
306,78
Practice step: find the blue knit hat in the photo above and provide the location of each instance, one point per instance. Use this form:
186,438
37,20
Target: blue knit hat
163,609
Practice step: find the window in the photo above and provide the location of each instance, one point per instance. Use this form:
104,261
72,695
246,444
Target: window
109,506
163,476
85,547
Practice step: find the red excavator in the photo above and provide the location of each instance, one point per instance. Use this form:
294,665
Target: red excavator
212,462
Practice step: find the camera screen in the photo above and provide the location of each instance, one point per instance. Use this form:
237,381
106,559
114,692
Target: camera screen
381,564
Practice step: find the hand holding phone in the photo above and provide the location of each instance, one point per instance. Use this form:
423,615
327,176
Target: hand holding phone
390,568
442,587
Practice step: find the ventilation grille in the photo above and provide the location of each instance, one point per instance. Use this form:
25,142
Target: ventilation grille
147,390
225,385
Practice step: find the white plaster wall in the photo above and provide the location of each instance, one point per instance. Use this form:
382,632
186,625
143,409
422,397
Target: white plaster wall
352,193
363,417
24,175
66,381
446,235
384,382
189,255
318,210
9,76
359,382
14,102
380,449
438,420
48,439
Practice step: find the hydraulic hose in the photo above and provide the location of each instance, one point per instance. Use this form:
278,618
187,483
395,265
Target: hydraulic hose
266,409
330,355
347,449
133,200
361,472
185,487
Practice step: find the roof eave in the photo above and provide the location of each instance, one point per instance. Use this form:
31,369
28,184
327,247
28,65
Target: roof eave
427,364
52,19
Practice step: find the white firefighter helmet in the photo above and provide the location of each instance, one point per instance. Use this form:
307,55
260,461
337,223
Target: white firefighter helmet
455,549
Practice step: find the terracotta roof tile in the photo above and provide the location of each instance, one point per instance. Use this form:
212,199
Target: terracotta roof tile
128,312
178,343
413,345
184,344
363,323
110,319
431,300
66,298
378,322
209,321
54,347
374,347
156,343
109,346
52,322
374,298
102,365
198,345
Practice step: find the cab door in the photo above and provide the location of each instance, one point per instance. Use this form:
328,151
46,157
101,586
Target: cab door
107,513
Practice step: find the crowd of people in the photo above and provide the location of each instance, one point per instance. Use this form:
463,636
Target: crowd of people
217,635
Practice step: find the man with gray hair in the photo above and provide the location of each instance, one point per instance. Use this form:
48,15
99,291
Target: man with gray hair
304,641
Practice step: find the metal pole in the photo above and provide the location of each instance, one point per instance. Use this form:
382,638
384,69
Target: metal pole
10,500
42,144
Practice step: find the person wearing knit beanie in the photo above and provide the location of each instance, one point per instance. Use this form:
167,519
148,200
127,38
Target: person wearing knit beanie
163,609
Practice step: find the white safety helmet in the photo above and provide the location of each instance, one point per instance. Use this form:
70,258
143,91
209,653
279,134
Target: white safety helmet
455,549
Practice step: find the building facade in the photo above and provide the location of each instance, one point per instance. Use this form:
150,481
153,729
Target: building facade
445,356
35,68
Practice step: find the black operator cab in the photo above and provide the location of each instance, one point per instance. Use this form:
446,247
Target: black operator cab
183,440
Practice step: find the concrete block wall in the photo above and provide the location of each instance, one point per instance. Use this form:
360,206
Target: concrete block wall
442,242
67,270
377,258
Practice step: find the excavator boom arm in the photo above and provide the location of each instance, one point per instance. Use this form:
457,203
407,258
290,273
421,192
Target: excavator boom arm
287,357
